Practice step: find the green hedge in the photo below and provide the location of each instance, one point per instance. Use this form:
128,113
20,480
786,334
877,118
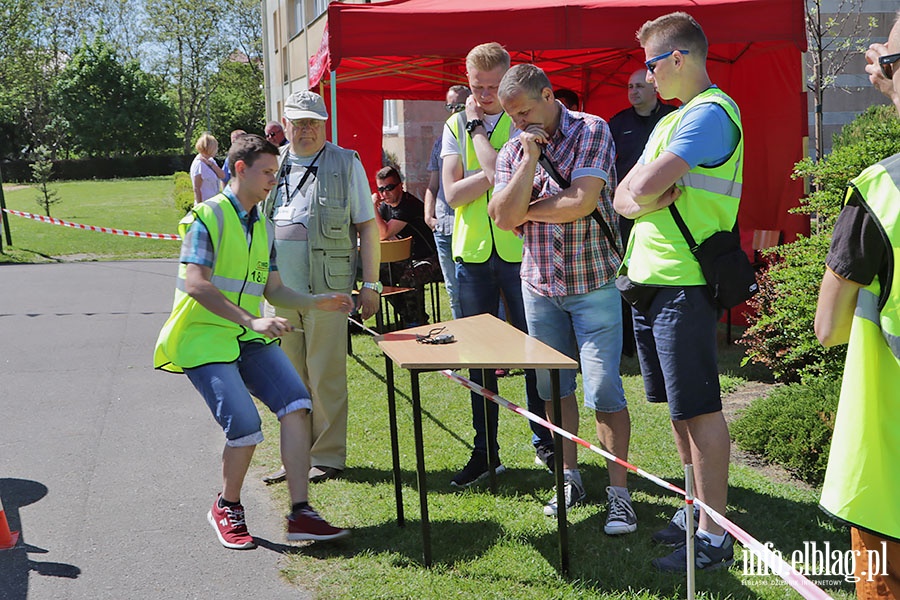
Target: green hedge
792,427
184,191
19,171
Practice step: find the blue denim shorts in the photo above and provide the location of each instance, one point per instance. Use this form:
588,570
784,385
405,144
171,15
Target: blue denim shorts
676,344
588,326
262,370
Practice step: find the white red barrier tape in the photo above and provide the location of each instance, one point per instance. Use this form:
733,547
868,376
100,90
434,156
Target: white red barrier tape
776,564
126,232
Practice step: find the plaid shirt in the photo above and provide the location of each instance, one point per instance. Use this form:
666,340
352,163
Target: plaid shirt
566,259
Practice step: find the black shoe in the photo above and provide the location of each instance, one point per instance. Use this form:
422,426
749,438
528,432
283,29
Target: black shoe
706,556
475,470
674,534
544,456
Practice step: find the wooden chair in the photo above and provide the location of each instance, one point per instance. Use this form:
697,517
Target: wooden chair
392,251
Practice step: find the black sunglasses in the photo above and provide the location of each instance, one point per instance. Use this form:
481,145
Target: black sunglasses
887,64
387,188
454,107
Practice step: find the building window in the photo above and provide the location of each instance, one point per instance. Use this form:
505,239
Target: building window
298,17
390,124
321,7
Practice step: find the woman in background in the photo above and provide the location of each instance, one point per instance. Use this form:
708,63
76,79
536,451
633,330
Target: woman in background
205,173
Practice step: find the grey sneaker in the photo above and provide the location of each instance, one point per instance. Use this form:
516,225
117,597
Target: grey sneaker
620,517
673,533
706,556
574,494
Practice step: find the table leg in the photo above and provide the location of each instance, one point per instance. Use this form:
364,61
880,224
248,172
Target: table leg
395,444
420,465
561,521
491,435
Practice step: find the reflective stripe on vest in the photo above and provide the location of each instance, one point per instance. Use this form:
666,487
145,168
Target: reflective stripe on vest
657,252
194,336
475,234
861,484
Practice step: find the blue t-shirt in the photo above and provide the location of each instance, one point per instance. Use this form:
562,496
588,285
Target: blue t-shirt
706,136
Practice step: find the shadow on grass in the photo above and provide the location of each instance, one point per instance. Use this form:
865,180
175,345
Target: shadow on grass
599,562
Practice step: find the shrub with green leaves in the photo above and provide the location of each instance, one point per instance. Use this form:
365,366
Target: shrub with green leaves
184,191
792,427
780,335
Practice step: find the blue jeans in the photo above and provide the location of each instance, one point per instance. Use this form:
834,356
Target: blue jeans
676,345
448,268
586,326
480,286
262,370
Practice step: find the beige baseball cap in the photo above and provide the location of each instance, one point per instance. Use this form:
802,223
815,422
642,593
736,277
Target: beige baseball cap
305,105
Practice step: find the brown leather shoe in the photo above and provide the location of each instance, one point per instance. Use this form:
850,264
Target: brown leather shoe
320,473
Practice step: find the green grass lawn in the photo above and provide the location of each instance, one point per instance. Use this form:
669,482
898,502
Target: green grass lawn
502,546
137,204
484,546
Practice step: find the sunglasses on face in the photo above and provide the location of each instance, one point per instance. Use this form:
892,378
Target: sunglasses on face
454,107
387,188
651,64
887,64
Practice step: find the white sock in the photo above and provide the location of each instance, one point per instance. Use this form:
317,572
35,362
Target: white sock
715,540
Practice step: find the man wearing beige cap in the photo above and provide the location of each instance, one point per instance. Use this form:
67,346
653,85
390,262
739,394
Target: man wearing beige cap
321,202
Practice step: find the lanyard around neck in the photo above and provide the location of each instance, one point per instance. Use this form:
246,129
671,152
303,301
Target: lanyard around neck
309,171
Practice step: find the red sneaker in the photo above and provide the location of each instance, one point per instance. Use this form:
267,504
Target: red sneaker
230,526
306,524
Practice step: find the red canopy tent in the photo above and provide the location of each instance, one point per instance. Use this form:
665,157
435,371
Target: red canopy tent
415,49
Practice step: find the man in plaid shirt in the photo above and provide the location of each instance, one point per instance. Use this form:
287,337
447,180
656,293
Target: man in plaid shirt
568,267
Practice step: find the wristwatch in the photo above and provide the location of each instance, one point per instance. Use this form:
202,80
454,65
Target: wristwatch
471,125
374,285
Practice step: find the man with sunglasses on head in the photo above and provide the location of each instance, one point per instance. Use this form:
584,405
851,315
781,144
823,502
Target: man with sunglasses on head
692,160
319,206
438,214
487,258
400,215
858,305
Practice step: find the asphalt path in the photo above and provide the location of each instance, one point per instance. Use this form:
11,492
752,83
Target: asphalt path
108,467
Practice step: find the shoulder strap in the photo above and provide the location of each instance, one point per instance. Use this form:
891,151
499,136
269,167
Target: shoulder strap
563,183
682,226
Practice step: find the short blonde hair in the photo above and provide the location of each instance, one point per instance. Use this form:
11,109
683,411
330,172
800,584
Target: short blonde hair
205,143
675,31
487,57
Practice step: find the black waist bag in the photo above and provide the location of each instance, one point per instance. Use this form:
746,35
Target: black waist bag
729,275
636,294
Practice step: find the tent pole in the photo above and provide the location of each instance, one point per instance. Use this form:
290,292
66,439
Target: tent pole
334,128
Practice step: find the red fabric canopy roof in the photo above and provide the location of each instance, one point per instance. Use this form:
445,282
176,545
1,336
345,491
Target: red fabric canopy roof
414,49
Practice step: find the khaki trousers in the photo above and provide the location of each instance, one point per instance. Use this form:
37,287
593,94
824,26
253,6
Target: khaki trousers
319,353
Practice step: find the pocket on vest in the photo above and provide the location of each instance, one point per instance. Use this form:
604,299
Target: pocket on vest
337,273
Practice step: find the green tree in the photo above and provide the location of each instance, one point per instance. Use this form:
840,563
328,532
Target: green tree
42,172
238,101
190,33
111,106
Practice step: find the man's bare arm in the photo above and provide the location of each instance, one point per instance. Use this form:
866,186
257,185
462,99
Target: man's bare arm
834,311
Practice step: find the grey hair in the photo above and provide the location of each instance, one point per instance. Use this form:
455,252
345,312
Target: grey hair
524,78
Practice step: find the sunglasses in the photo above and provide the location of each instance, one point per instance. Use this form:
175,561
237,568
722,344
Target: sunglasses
887,64
387,188
651,64
454,107
273,134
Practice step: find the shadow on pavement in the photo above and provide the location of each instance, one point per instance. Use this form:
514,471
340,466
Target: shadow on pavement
15,565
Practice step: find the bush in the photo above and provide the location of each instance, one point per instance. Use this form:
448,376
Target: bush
792,427
184,191
780,335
